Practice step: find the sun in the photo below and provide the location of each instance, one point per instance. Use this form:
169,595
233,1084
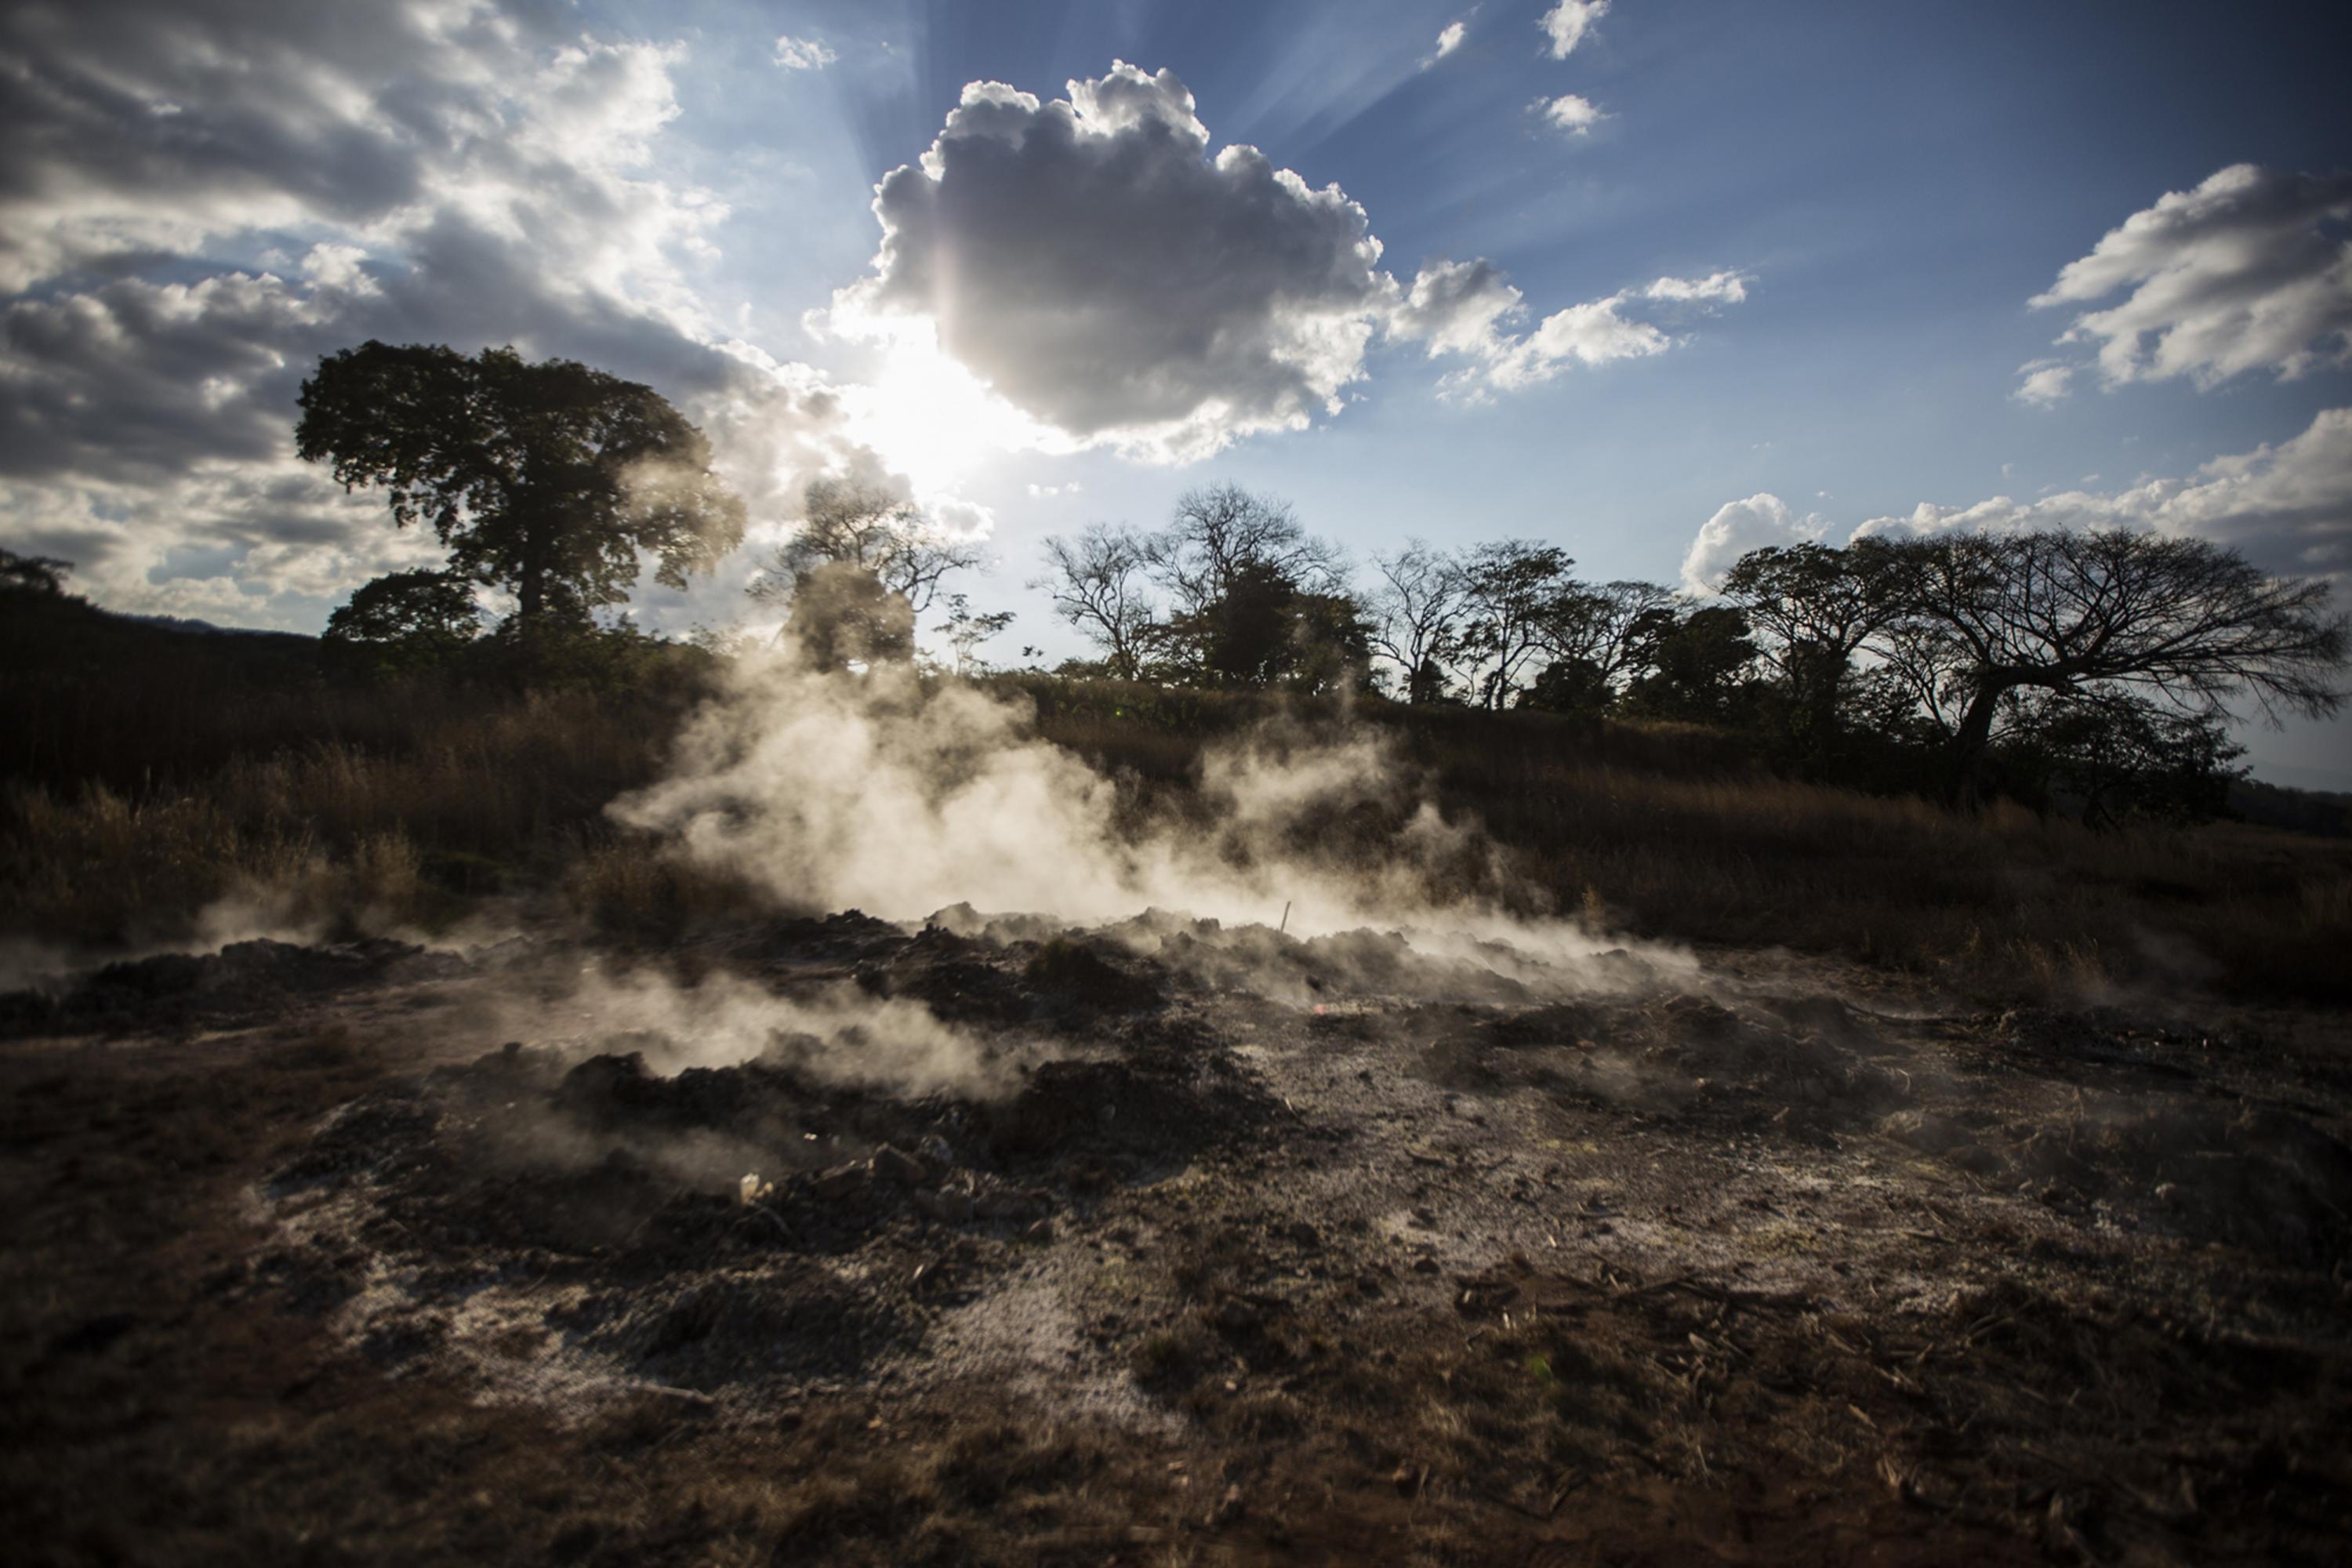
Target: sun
932,419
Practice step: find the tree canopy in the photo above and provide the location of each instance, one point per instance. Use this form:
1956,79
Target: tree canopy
2184,625
1251,598
863,562
408,617
550,479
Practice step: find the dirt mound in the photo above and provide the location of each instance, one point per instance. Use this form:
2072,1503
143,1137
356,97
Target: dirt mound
243,980
1075,973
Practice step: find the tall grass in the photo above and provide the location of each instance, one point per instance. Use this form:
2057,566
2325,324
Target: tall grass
125,816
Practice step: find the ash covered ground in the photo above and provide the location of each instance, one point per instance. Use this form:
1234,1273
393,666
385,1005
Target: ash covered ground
986,1240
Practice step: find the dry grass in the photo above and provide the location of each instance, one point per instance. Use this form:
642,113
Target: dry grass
322,806
482,791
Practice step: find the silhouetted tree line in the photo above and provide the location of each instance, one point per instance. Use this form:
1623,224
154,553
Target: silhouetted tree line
2102,665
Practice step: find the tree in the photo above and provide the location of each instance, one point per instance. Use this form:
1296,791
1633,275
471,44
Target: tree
1512,592
408,617
1416,614
1812,607
1220,530
1097,586
842,614
863,565
550,479
855,523
2186,624
2121,755
1603,633
42,575
965,631
1696,661
1267,630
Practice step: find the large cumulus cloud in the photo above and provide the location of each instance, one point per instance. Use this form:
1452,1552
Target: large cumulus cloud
1738,527
1092,261
1103,271
2251,271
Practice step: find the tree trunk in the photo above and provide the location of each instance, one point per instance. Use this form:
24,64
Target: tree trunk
531,592
1969,741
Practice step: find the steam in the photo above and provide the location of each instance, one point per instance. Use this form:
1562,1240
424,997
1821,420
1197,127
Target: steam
905,798
837,1035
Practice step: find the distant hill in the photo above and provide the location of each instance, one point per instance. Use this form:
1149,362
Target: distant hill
2303,810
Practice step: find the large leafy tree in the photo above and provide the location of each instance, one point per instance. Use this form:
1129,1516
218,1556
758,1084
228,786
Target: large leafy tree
408,617
1812,607
552,480
1512,594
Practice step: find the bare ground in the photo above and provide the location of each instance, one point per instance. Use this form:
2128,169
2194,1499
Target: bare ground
1256,1251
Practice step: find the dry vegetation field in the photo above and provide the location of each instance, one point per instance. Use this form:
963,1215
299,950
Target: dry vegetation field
1918,1186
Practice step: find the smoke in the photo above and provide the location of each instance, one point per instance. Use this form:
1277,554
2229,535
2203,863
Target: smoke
837,1034
903,797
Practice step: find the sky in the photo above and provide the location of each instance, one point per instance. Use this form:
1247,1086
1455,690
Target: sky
1653,282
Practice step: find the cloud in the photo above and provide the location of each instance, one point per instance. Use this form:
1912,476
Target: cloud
1467,309
803,54
2288,507
2249,271
1447,42
435,170
1714,289
1577,116
1738,527
1090,260
1458,307
1566,25
2045,382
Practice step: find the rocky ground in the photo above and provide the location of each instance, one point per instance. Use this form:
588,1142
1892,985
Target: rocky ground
1162,1242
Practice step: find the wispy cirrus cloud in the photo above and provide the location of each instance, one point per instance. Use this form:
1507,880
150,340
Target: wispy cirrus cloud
803,54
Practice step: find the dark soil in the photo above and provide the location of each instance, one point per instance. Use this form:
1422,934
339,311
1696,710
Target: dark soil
1253,1250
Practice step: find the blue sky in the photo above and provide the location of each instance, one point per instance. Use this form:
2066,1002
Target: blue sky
1857,204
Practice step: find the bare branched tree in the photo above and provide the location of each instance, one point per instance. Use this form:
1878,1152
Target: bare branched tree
866,526
2182,622
1221,531
1097,586
1417,614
